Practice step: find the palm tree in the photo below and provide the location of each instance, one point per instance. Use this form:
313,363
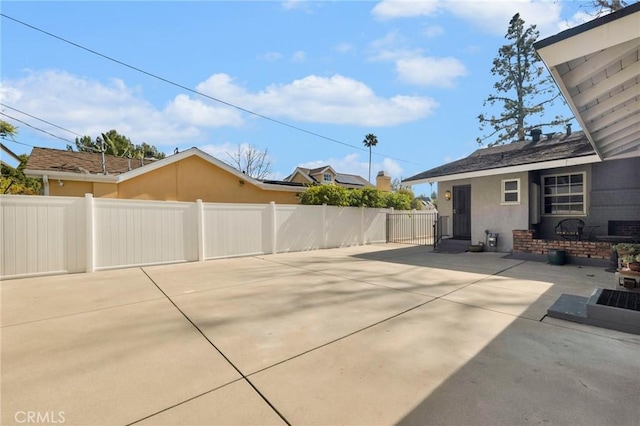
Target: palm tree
369,141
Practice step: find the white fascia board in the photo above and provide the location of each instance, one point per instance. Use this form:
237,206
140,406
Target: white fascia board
594,40
285,188
80,177
589,159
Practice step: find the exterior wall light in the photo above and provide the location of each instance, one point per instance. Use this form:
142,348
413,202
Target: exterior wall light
447,195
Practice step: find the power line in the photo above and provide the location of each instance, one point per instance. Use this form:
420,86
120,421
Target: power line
15,141
35,128
40,119
183,87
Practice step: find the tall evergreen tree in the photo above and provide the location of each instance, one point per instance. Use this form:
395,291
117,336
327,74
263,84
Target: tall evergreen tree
525,88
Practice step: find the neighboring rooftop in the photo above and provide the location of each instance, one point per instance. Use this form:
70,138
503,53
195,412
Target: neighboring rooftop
340,178
558,146
59,160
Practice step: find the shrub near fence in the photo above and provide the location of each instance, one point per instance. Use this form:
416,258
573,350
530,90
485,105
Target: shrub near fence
46,235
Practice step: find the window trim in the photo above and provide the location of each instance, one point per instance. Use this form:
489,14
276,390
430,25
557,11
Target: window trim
324,177
564,214
503,192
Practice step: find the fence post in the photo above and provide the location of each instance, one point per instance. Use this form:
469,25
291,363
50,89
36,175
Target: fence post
324,226
274,228
200,230
89,239
361,239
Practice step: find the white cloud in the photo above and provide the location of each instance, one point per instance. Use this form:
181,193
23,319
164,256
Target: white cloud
89,107
430,71
412,66
271,56
298,56
490,15
343,47
389,9
433,31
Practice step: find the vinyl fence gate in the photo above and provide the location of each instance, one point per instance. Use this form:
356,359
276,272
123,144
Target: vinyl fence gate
414,227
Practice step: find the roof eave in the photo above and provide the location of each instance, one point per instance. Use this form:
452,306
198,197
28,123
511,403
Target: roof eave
71,176
587,159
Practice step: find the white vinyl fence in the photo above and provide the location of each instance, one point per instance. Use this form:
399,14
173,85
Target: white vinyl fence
47,235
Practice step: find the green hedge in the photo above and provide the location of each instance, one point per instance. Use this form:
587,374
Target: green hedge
334,195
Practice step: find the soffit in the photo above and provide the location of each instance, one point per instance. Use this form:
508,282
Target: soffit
597,68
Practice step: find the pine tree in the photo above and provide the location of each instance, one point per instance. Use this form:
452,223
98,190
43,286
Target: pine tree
524,90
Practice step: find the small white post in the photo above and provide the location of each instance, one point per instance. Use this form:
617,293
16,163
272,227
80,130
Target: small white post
361,239
90,233
325,237
274,227
200,230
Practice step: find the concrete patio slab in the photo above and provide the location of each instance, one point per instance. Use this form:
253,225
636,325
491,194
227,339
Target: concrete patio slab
379,334
507,301
111,366
187,278
446,363
32,299
259,325
234,404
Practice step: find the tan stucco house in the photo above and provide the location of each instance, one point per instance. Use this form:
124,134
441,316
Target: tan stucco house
185,176
327,175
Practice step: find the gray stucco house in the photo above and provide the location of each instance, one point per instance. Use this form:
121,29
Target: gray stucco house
592,175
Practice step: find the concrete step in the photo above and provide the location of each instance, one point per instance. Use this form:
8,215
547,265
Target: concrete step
451,245
612,309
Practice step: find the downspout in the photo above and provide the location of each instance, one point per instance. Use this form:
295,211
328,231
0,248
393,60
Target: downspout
45,182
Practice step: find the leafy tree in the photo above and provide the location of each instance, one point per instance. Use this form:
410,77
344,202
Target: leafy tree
370,141
252,160
7,130
116,144
332,195
606,6
524,90
398,200
368,197
13,181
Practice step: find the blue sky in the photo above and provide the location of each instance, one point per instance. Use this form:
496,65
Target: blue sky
414,73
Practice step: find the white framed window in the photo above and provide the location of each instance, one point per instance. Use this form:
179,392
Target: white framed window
326,177
510,192
564,194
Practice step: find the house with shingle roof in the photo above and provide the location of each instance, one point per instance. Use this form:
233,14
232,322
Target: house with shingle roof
533,184
185,176
592,175
327,175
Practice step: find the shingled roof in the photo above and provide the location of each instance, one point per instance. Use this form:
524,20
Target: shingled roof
59,160
341,178
556,147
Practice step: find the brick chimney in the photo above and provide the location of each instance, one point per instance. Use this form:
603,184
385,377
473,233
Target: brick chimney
383,181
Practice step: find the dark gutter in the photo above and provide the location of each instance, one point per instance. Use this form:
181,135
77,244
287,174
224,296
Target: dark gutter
635,7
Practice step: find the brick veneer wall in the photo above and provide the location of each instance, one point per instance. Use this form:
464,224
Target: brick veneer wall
523,242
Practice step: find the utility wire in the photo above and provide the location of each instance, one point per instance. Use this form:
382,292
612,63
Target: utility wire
35,128
77,143
15,141
40,119
181,86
